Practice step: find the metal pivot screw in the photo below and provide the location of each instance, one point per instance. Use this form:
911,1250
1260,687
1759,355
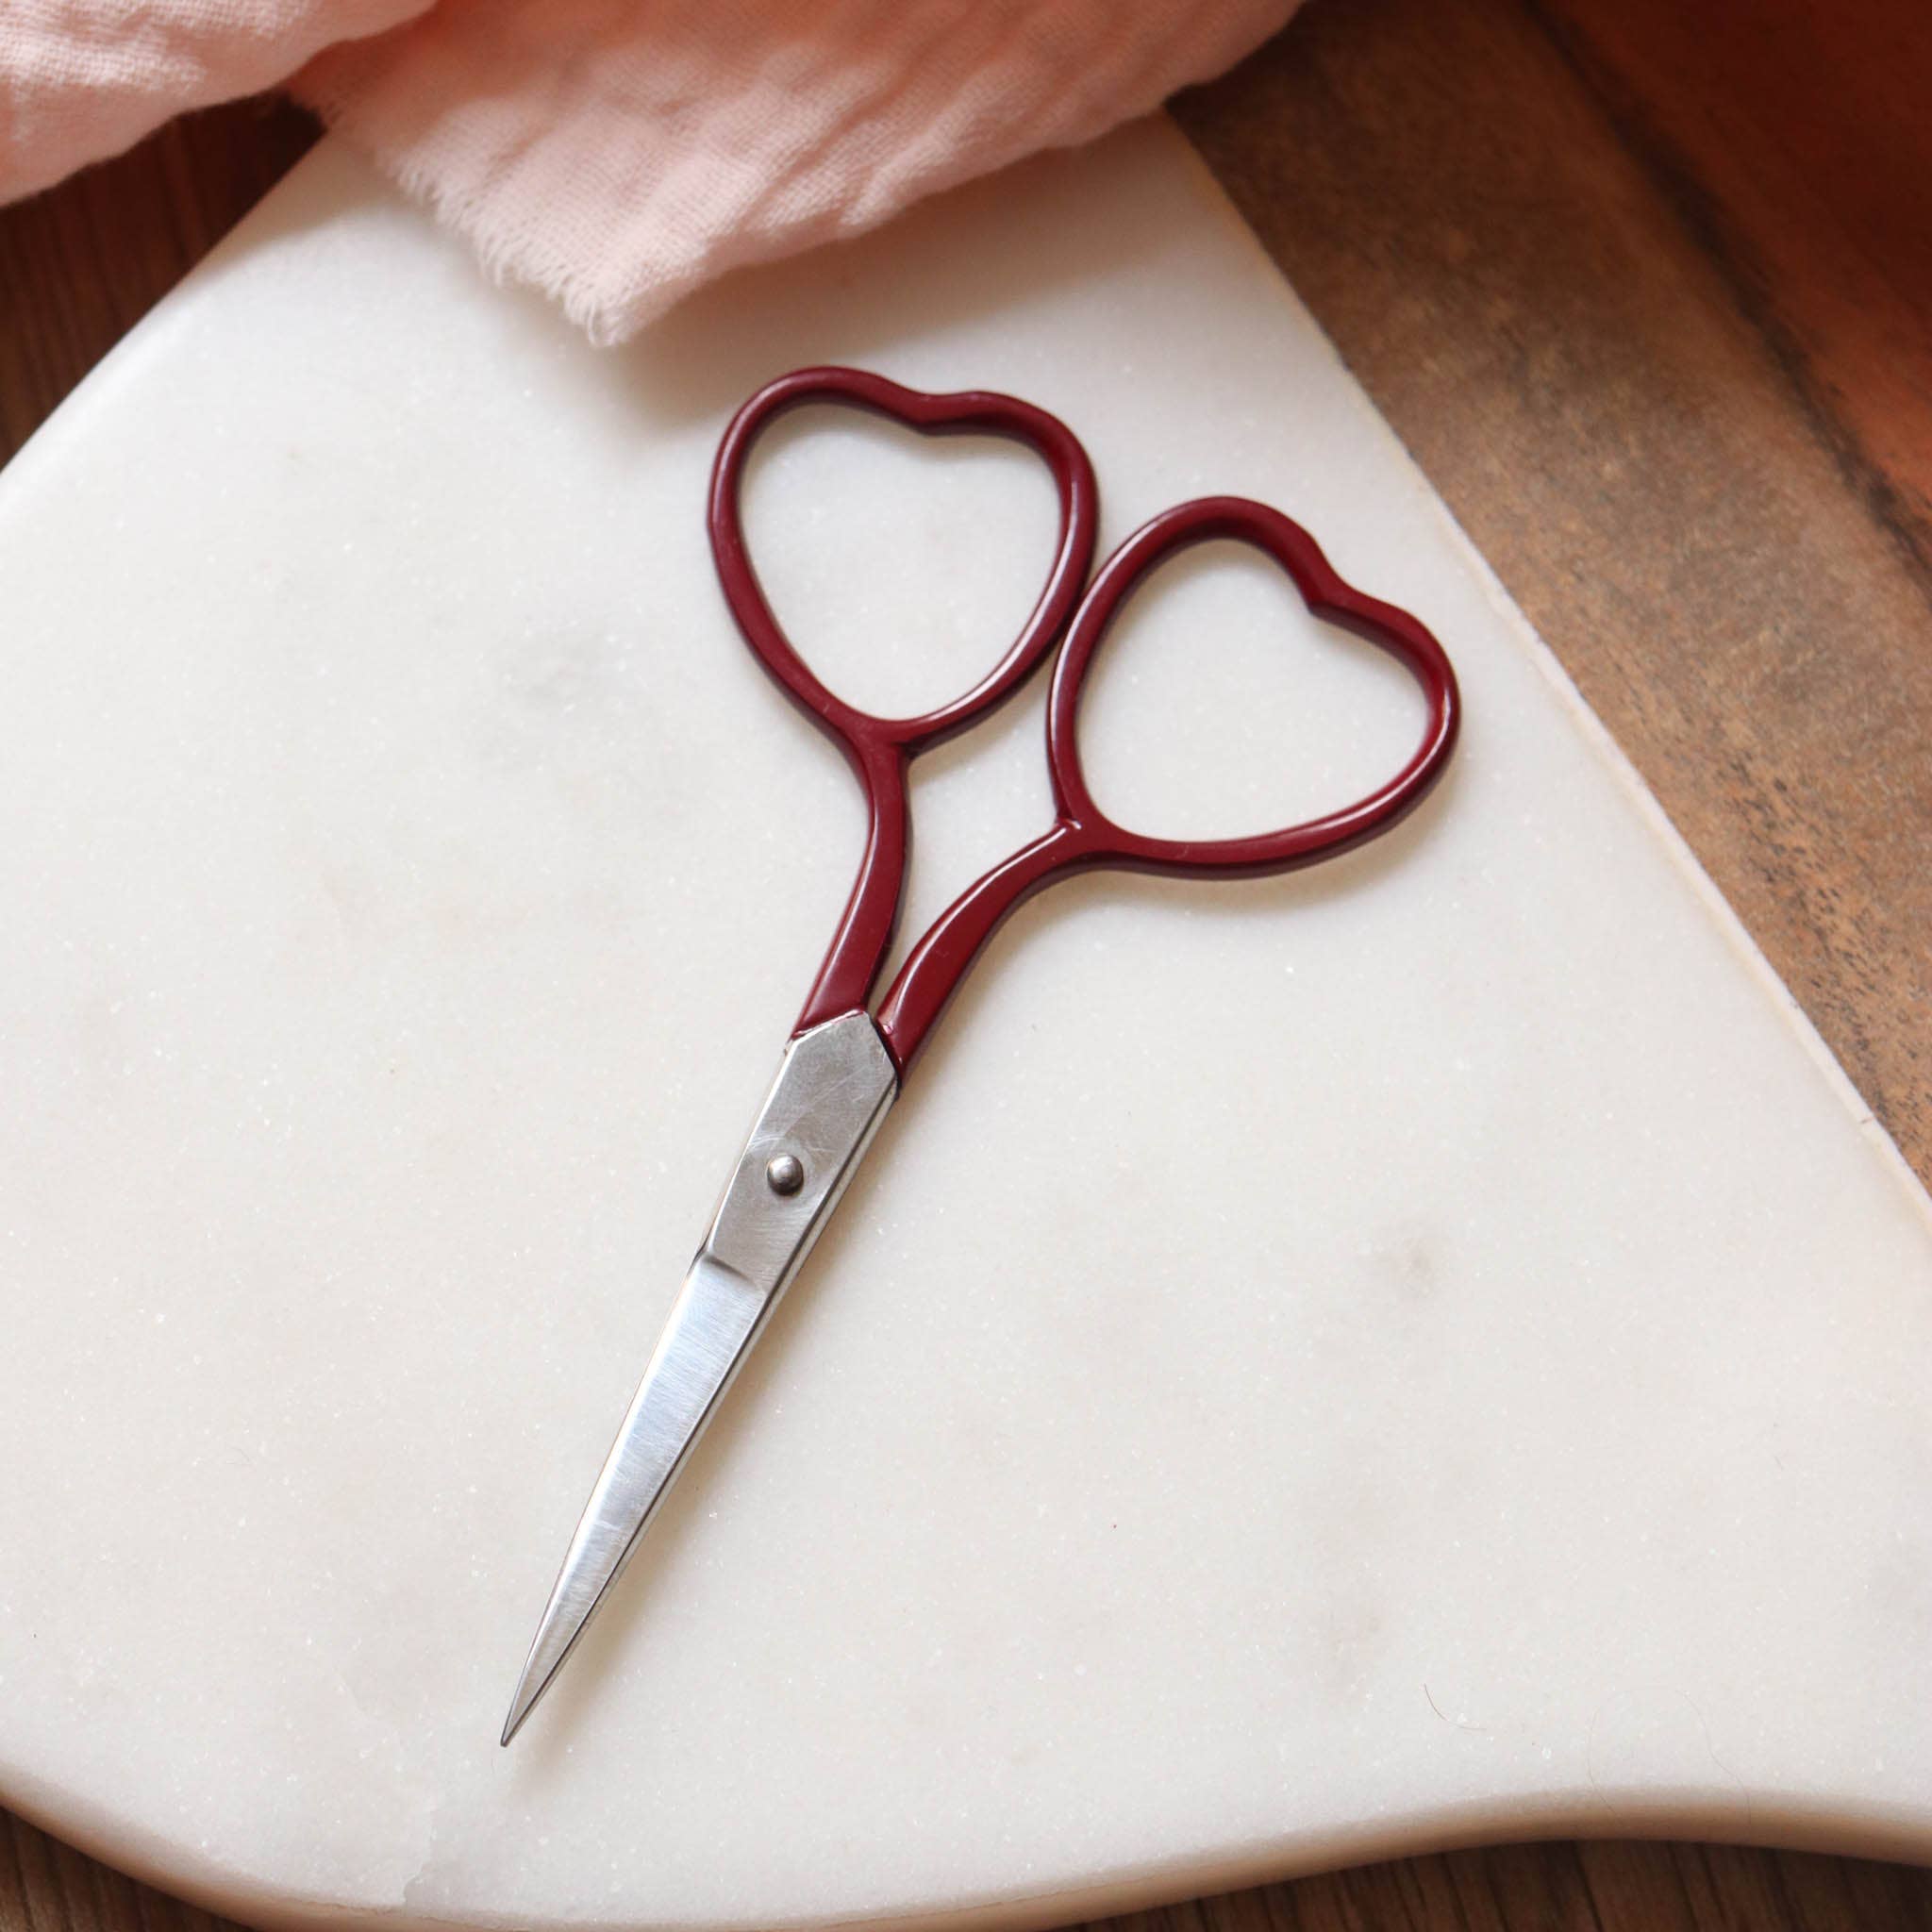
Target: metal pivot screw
785,1174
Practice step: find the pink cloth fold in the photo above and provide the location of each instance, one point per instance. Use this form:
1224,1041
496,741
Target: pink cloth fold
81,79
619,153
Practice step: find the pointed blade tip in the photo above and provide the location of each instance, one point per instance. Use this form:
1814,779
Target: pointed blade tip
531,1685
521,1705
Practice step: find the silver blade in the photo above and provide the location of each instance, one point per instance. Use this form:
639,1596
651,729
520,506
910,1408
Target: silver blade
708,1333
834,1086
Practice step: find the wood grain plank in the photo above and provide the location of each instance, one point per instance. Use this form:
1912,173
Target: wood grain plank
1796,151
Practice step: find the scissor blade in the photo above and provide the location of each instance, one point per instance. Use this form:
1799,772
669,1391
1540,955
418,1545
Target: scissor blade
709,1331
834,1086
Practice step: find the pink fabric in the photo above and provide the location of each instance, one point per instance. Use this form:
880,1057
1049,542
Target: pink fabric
84,78
619,153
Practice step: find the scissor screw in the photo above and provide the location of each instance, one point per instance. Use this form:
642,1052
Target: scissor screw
785,1174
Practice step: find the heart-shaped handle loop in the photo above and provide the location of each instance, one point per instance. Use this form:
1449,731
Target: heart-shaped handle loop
879,749
1083,837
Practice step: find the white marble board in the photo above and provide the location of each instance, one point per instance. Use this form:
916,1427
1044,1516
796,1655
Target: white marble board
1425,1350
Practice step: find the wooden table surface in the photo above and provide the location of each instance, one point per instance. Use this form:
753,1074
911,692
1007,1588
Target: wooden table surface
1647,290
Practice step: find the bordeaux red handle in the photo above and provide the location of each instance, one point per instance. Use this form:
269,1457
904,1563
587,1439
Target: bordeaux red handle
1205,520
1083,837
878,749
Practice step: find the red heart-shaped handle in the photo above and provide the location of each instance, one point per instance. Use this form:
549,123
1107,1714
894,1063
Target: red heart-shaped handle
878,749
1206,520
1083,837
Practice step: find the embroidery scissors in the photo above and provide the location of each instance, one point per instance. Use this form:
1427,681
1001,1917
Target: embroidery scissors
845,1064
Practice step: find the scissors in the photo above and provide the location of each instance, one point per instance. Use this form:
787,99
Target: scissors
845,1064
